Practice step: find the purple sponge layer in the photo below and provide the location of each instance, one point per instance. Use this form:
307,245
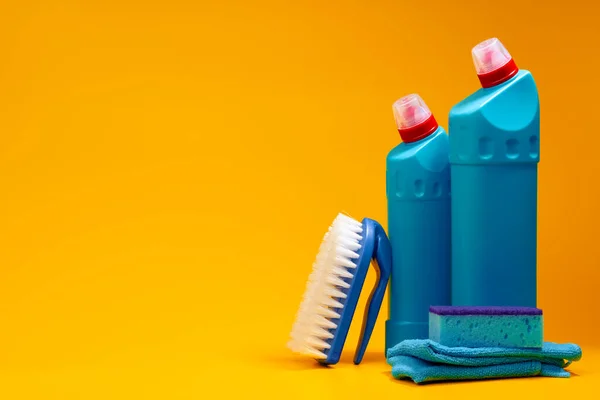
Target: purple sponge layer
489,310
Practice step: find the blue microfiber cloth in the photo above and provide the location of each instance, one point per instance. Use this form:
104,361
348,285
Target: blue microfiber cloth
426,361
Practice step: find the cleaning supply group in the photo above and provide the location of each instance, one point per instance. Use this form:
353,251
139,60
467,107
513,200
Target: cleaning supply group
461,253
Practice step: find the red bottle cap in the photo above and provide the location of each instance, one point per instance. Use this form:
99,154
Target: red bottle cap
493,63
413,118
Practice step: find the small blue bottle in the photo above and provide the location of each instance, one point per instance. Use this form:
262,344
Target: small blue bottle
418,194
494,155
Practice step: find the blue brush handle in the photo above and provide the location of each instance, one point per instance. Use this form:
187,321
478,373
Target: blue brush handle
381,255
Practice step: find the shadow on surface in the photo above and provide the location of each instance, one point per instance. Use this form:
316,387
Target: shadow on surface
409,383
373,357
293,362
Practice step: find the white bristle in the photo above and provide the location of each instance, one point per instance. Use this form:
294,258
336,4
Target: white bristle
321,333
348,219
323,299
310,351
324,322
327,312
350,244
317,343
344,262
346,252
355,236
333,292
334,280
341,272
331,303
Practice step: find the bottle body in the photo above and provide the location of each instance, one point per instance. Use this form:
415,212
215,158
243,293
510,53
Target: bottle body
418,195
494,155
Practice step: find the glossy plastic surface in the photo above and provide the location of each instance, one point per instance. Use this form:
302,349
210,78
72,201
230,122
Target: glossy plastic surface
494,153
418,194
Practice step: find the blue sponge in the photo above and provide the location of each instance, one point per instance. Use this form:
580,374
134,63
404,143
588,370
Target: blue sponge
486,326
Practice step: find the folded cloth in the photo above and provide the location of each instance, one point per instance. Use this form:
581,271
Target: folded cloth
426,360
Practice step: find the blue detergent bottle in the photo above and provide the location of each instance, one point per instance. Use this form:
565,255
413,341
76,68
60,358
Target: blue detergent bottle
418,195
494,155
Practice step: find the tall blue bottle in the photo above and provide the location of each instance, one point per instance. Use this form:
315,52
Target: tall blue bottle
494,154
418,194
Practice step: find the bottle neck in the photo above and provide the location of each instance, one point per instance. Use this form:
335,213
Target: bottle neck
499,75
420,131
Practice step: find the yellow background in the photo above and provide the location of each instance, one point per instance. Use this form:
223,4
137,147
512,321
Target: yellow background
168,168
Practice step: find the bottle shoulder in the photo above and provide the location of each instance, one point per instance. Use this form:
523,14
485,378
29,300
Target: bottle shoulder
430,153
484,99
497,125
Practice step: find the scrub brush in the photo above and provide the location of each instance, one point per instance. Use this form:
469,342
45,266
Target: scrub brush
334,286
